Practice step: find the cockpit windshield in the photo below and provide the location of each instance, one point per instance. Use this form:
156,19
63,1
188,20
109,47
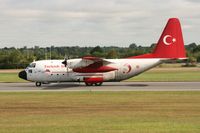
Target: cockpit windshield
32,65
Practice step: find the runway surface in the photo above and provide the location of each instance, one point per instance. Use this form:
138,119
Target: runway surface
110,86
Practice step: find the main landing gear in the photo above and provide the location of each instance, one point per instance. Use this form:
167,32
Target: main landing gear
91,84
38,84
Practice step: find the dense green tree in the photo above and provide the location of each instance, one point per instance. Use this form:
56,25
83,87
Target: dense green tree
133,46
191,46
112,54
196,49
21,57
96,49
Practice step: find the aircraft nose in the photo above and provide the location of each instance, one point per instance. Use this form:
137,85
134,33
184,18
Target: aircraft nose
23,75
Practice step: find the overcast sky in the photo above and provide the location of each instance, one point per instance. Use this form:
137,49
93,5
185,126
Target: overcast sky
93,22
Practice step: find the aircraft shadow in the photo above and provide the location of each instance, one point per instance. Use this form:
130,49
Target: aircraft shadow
53,86
81,85
60,86
77,86
131,85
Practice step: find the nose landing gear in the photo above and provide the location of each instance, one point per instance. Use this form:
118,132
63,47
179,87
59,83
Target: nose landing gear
38,84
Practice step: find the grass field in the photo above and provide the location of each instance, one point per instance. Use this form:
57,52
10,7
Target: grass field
100,112
156,74
10,77
169,75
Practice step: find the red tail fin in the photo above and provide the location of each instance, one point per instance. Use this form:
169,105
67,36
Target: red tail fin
170,44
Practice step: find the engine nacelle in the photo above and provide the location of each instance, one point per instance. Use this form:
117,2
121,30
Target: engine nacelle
78,64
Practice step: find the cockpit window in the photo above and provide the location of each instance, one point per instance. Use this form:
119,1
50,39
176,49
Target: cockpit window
30,71
32,65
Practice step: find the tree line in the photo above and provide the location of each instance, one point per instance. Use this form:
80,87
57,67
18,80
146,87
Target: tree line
12,57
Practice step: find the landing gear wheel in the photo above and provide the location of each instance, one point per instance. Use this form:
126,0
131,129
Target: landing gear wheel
38,84
98,84
88,84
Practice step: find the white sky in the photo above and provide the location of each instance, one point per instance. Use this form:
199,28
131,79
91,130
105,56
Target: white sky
93,22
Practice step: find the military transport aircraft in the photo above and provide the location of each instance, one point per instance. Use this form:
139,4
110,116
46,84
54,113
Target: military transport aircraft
95,71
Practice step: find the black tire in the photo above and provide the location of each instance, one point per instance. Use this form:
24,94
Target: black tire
88,84
38,84
98,84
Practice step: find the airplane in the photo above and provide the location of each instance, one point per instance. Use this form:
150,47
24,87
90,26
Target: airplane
94,70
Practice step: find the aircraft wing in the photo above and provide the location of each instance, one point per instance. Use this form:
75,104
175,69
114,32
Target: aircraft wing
96,59
95,65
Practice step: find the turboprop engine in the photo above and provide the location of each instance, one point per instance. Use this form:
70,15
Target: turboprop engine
76,63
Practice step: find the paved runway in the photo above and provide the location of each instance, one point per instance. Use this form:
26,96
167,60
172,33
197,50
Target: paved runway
110,86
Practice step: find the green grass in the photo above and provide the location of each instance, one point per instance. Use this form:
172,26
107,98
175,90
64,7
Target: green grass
10,77
100,112
168,76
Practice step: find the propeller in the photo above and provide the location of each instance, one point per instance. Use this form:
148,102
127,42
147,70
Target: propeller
65,61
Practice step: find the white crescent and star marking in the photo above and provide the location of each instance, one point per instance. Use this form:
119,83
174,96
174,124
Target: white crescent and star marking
127,69
165,40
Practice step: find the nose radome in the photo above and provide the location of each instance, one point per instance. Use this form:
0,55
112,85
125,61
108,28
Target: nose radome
23,75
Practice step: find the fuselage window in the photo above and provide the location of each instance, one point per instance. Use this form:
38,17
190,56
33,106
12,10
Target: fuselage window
32,65
30,71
